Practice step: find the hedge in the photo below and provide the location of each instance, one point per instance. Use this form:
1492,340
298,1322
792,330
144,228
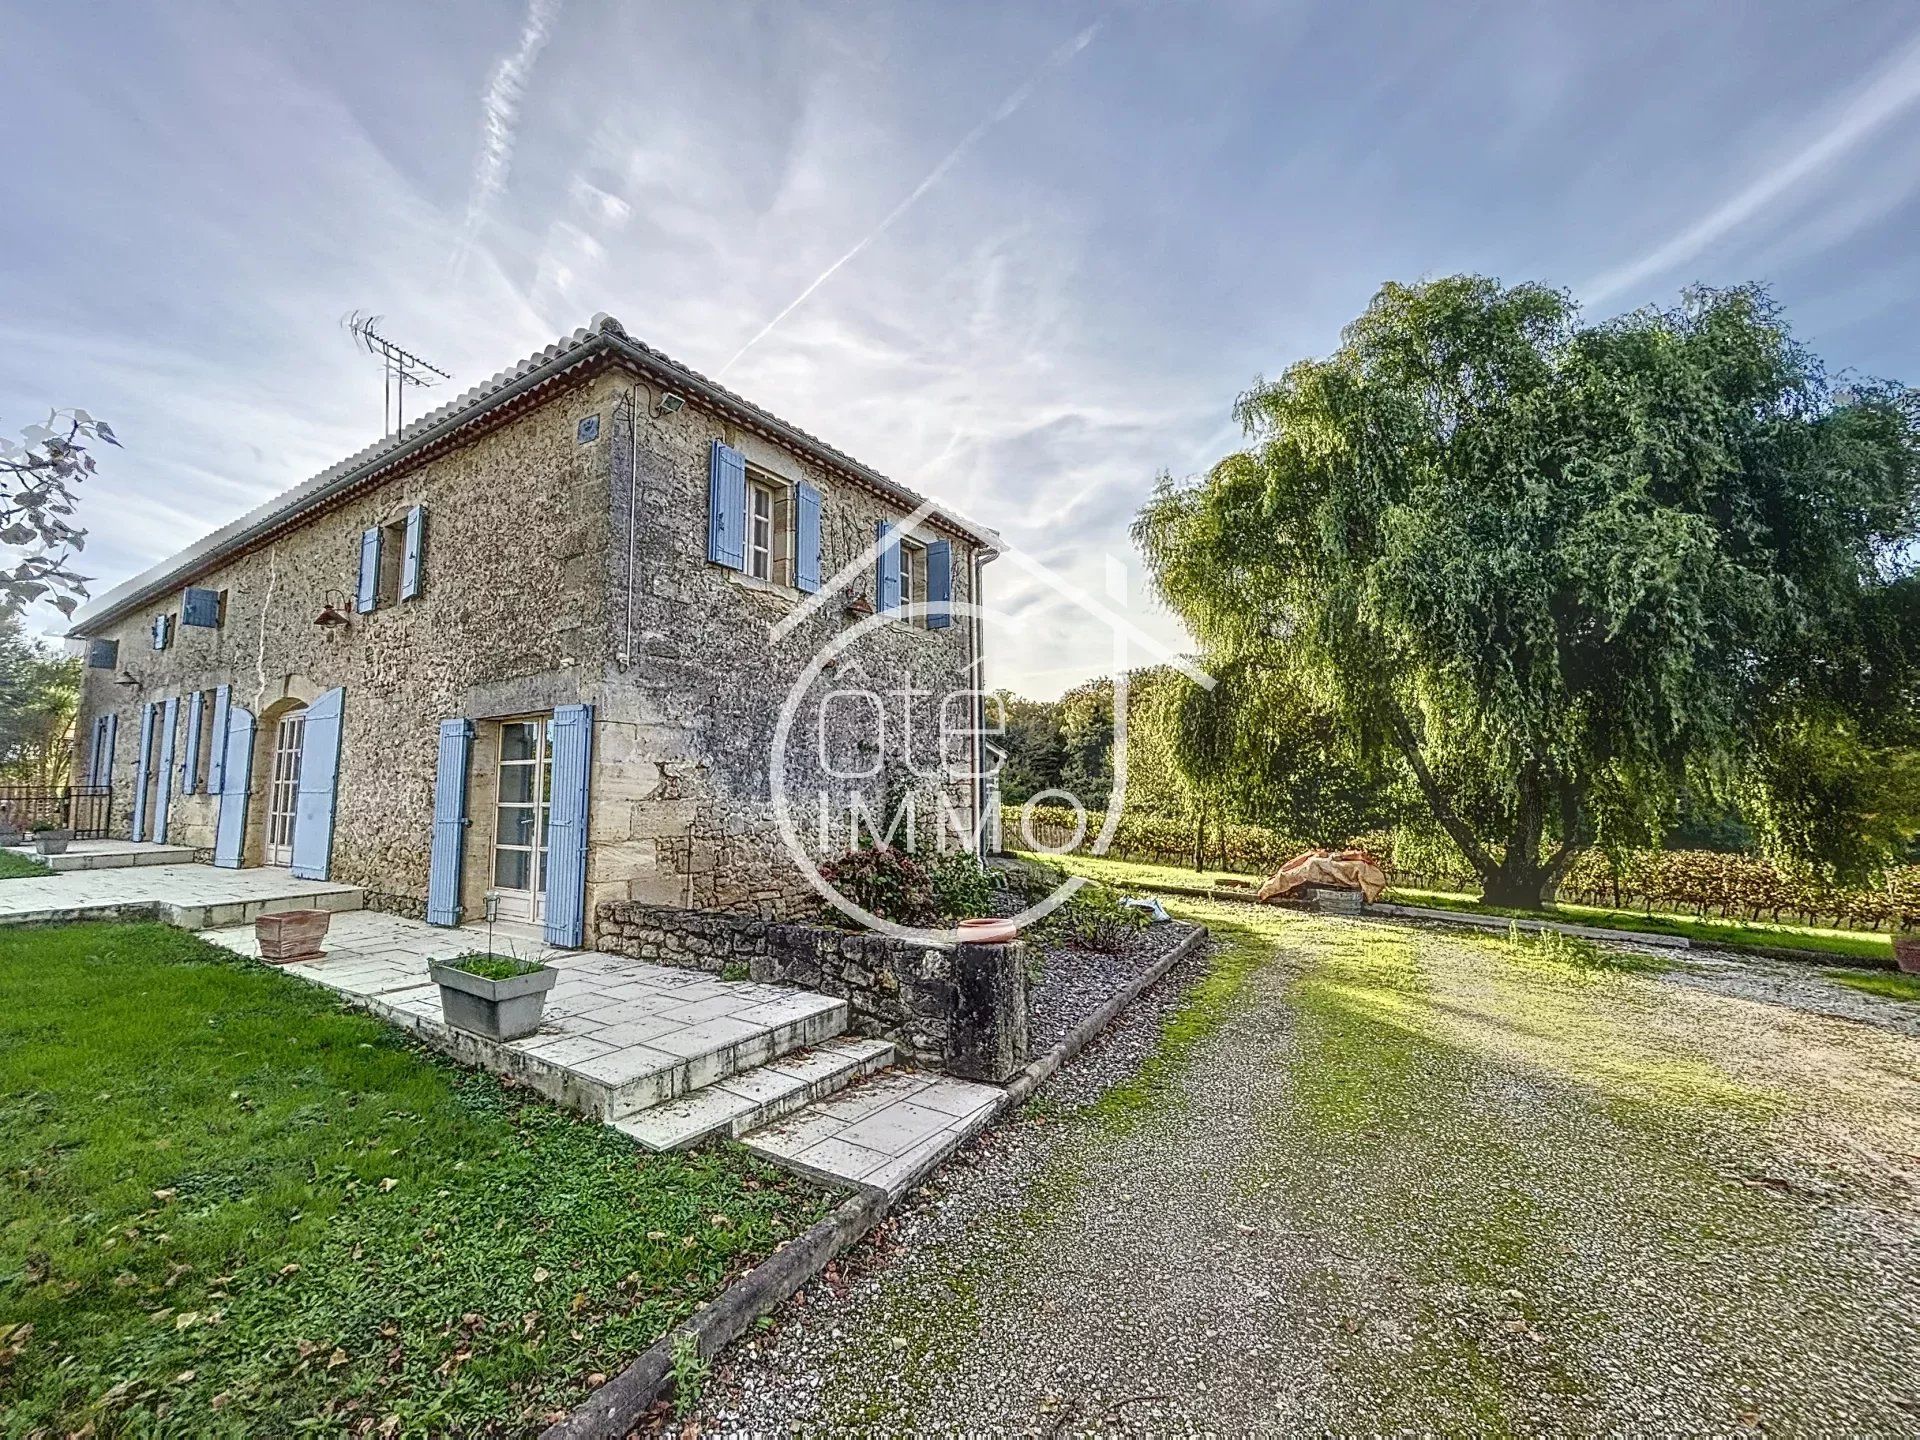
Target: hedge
1700,882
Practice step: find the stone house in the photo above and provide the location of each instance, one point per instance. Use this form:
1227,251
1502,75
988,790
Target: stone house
526,646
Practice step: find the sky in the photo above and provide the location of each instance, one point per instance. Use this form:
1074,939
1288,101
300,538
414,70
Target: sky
1021,257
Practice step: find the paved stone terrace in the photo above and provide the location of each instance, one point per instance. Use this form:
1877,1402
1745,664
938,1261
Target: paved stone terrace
619,1035
194,897
109,855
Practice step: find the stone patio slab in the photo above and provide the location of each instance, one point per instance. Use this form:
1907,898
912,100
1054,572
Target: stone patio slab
848,1139
193,897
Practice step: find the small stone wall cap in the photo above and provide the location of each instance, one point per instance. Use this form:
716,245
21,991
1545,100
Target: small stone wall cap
988,932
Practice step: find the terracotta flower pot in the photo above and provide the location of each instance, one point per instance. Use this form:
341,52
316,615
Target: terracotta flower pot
1906,953
988,932
288,936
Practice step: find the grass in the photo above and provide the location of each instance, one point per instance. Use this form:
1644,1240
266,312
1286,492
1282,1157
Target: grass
20,867
491,967
1888,984
1727,934
233,1207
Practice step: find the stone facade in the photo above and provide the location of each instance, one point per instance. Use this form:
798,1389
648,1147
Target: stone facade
565,562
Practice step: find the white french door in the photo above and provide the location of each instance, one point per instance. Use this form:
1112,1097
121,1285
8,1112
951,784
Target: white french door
284,788
520,818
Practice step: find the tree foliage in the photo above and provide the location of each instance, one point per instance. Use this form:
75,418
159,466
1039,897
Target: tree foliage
39,692
37,476
1563,573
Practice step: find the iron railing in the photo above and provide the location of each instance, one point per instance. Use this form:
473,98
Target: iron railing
87,810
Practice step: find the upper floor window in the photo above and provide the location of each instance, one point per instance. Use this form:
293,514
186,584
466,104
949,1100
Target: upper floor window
760,524
391,559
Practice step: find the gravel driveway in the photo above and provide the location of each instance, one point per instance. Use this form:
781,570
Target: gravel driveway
1355,1177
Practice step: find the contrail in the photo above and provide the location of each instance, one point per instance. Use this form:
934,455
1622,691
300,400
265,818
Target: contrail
1006,108
500,117
1887,97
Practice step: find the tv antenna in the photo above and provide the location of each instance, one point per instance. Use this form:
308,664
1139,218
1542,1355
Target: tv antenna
398,369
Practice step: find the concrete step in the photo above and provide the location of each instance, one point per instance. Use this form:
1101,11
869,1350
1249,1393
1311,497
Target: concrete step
759,1096
121,857
887,1132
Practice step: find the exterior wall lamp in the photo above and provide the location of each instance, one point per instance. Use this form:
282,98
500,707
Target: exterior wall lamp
333,612
669,403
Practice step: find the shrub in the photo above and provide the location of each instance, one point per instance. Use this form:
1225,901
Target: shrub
888,882
1092,918
962,888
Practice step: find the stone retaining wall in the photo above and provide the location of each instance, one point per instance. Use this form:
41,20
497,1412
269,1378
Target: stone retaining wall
958,1008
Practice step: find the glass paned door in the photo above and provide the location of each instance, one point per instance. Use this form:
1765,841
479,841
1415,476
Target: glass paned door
520,819
284,789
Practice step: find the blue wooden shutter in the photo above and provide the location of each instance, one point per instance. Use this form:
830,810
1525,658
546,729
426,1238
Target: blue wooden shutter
217,743
806,538
163,780
886,569
200,607
939,585
319,774
567,826
410,555
162,631
727,507
236,745
140,765
105,731
449,823
369,570
190,766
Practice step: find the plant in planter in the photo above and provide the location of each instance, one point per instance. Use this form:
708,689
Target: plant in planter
49,838
498,996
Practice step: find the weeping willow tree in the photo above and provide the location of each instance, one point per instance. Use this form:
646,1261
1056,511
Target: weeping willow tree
1561,572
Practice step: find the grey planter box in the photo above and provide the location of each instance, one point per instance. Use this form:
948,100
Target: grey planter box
498,1009
52,842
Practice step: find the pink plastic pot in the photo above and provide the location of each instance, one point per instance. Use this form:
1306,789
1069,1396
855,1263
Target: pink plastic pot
988,932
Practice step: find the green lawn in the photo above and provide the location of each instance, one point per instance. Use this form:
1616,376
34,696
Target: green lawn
1732,934
19,867
1888,984
229,1206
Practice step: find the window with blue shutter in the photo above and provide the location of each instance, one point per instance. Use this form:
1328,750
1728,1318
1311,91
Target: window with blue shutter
162,631
200,607
939,585
567,826
236,748
886,569
142,762
319,775
163,777
449,823
366,597
806,538
727,507
217,743
103,654
190,765
411,550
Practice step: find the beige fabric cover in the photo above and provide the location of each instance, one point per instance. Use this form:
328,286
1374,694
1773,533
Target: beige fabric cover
1334,869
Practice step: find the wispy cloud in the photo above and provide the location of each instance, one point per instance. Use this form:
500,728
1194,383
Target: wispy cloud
1875,105
1060,56
500,118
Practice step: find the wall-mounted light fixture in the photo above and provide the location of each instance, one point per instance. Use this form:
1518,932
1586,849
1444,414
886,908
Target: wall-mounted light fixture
669,403
127,678
333,612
